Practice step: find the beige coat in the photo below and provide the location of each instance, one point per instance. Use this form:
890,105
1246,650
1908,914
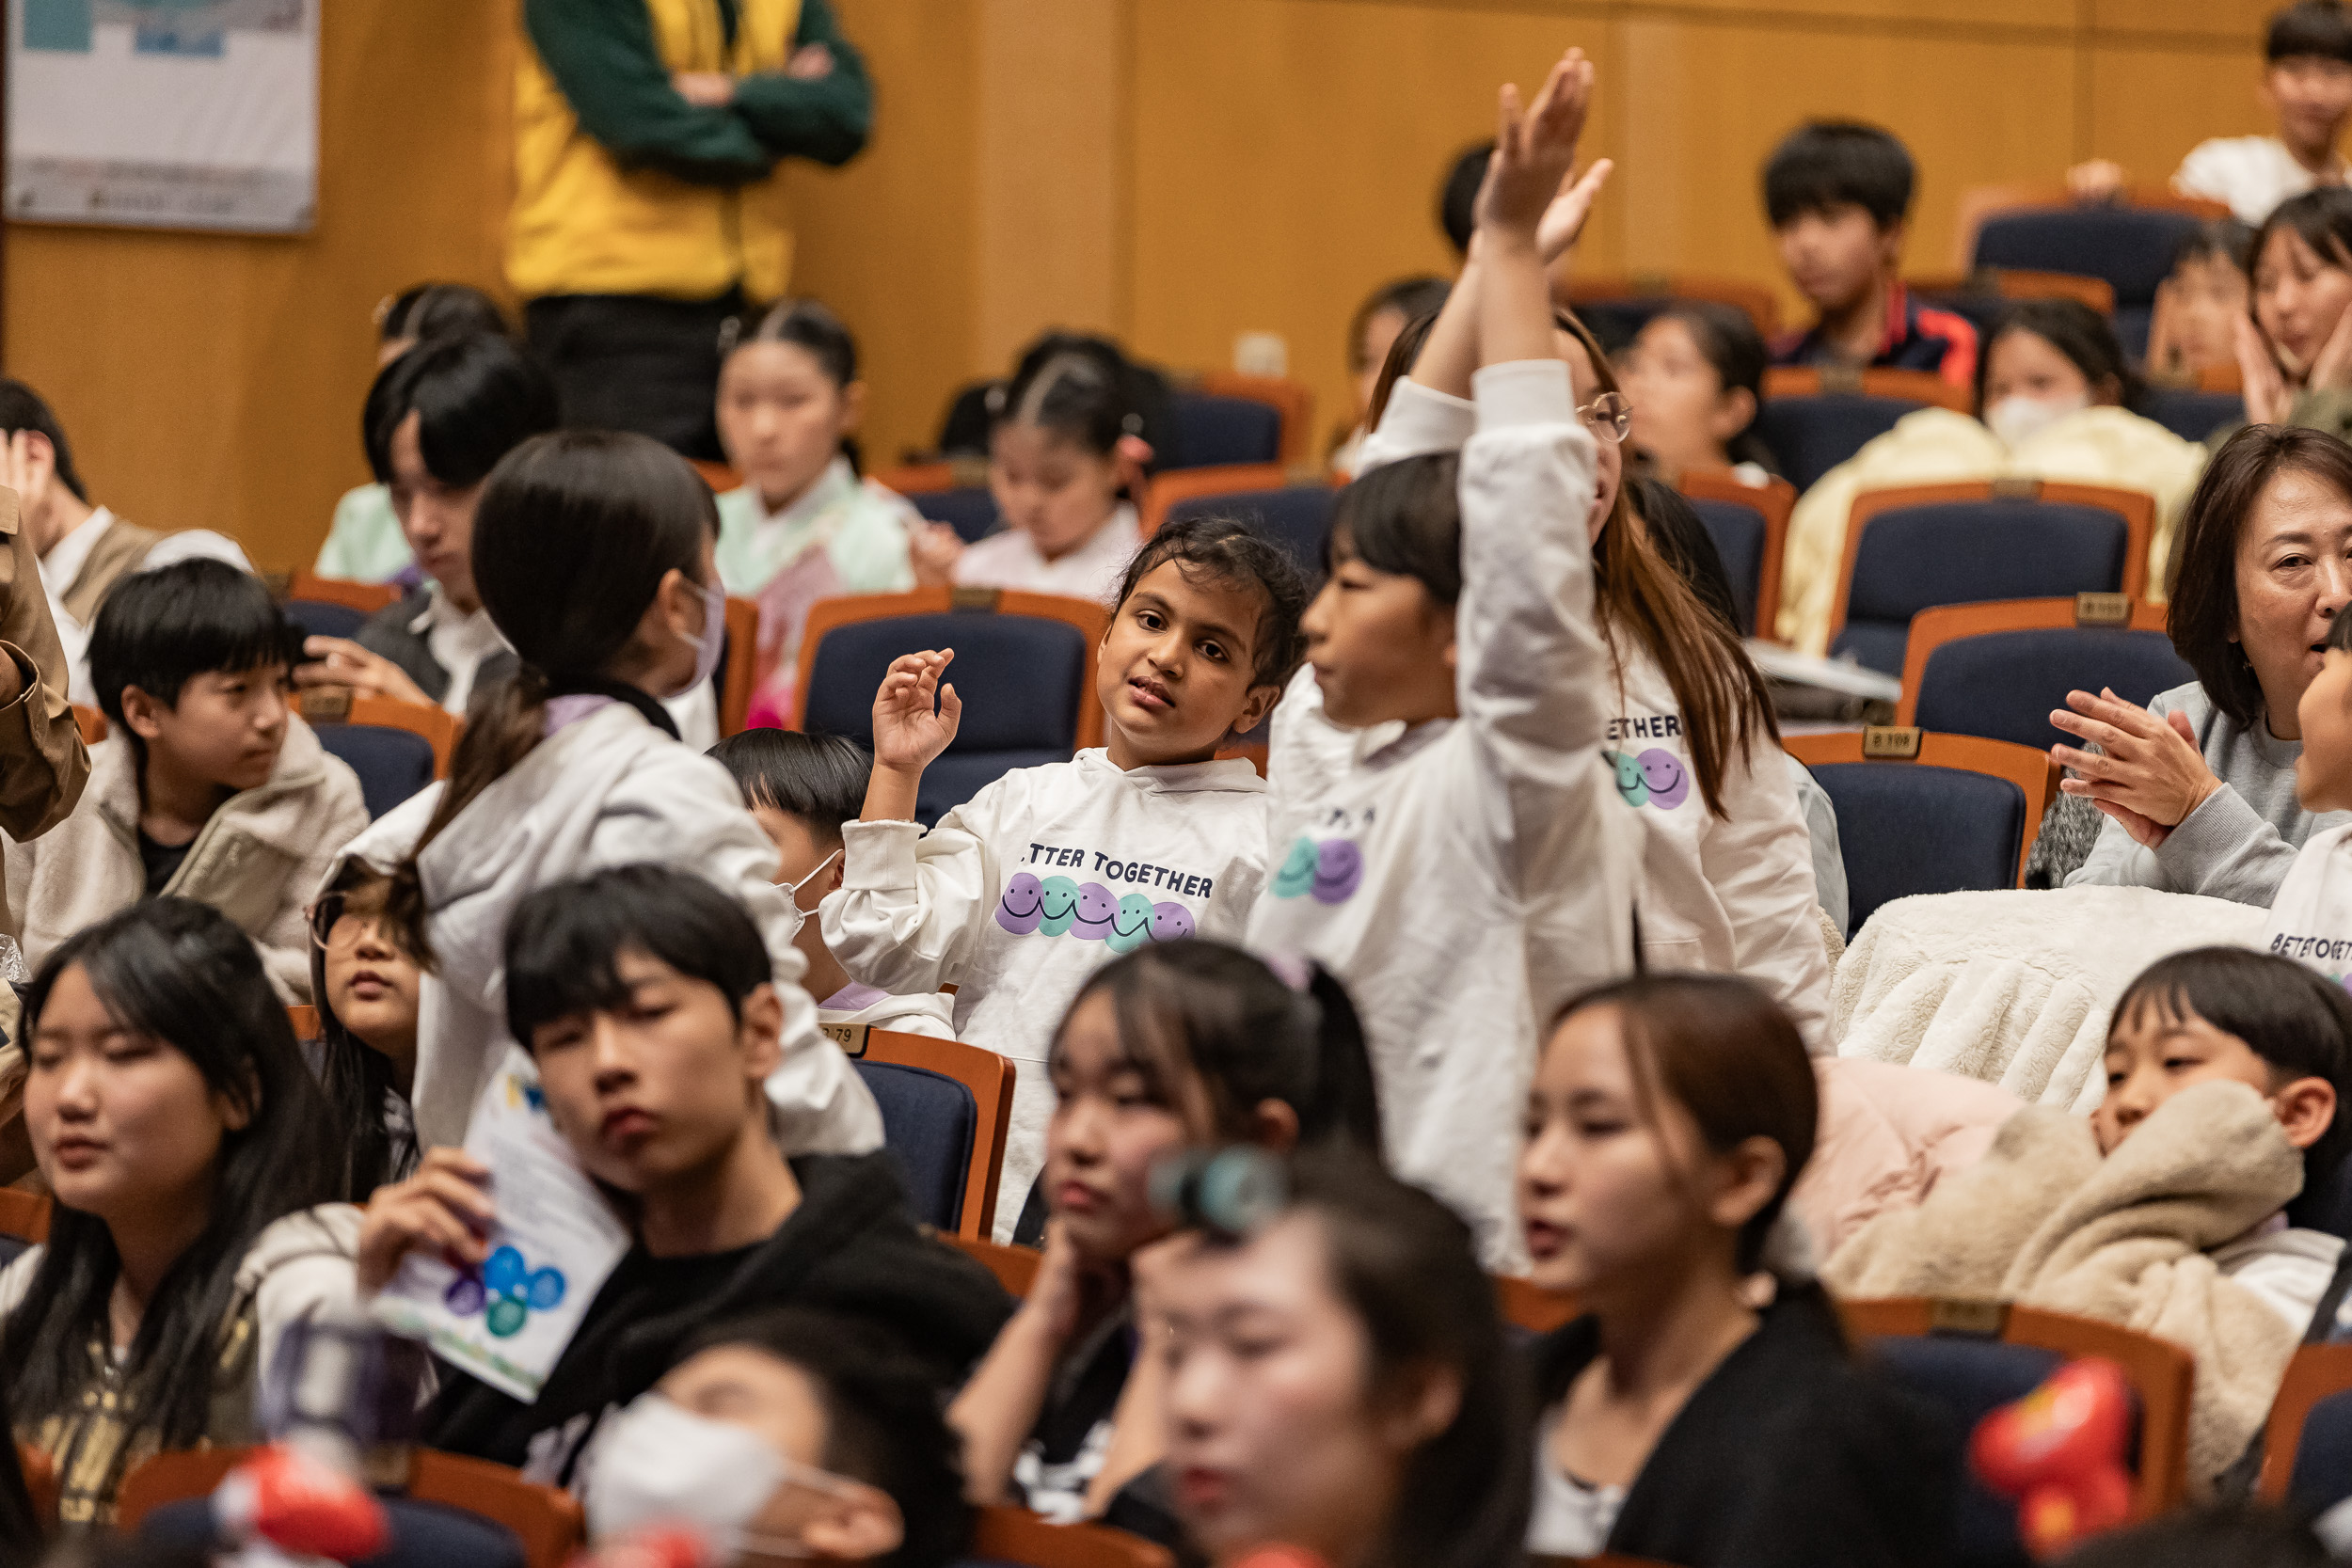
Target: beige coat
2044,1221
258,860
44,764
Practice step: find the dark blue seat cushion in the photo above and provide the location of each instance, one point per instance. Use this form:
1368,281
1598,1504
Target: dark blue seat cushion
423,1535
1739,534
2193,415
1972,1378
2003,685
1964,552
1020,679
1813,435
2322,1477
325,618
1907,828
929,1123
969,508
392,765
1296,517
1207,431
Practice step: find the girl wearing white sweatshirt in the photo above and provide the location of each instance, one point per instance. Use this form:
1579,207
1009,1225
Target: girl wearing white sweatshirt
1021,892
1466,860
592,553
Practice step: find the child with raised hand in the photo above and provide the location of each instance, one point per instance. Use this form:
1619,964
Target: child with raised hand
1471,828
593,554
1194,1044
801,789
1669,1120
1021,892
803,526
208,786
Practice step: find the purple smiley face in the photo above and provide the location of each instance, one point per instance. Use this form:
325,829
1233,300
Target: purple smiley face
1023,905
1339,870
1171,922
1663,771
1097,910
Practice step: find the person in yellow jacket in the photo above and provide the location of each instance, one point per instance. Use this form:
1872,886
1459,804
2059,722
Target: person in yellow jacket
648,208
2054,387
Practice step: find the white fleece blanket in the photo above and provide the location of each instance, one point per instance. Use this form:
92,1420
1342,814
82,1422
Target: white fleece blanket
2015,987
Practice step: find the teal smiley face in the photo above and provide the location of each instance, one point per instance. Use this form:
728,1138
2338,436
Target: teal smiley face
1131,928
1057,905
1298,870
1630,781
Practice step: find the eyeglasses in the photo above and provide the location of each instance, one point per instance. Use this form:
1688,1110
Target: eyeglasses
328,914
1610,417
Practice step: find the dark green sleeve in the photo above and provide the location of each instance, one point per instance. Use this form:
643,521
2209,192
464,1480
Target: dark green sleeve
601,54
826,119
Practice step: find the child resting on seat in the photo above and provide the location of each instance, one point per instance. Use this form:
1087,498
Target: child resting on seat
1024,890
2173,1209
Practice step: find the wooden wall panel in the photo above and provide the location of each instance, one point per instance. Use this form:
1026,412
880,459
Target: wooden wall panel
2148,106
2238,21
214,381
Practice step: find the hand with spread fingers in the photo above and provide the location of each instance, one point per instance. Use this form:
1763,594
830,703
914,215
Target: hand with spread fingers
2148,773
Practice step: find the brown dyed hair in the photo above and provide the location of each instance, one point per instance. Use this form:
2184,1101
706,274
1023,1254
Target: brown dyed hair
2204,617
1731,1057
1637,592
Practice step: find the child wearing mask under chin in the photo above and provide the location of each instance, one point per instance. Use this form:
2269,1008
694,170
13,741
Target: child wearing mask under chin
2056,395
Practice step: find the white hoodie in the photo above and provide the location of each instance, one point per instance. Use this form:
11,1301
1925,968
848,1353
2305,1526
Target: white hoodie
2311,919
609,789
1030,886
856,1007
1466,874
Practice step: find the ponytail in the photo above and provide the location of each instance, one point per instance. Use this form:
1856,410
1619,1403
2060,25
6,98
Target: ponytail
1346,1104
502,723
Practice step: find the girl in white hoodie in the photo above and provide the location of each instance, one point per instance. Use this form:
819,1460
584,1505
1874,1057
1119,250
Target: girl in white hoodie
1021,892
1463,861
592,552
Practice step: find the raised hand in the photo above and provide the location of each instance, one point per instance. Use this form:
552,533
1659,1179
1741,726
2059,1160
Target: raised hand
908,734
1534,150
1563,223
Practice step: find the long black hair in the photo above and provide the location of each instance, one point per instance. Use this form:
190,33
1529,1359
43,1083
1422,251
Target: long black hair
1201,1006
20,1526
575,534
176,972
358,1079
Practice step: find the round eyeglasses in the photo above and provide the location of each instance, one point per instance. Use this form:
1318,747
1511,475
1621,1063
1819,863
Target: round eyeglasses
1610,417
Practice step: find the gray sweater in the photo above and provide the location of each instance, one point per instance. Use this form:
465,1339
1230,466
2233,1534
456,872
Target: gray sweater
2236,845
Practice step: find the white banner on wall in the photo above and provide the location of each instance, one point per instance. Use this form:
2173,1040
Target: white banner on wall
165,114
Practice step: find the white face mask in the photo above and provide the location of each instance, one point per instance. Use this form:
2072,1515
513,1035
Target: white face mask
713,639
656,1462
2016,421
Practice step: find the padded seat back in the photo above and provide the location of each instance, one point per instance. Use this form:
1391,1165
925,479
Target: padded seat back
1909,827
1738,534
1021,678
2193,415
1813,435
392,765
1297,518
928,1122
969,508
325,618
2003,685
1209,431
2129,247
1913,558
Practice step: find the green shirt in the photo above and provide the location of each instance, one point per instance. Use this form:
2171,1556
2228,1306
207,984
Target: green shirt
602,56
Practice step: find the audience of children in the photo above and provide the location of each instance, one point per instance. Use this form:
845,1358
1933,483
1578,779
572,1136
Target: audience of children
1668,1121
208,786
192,1160
1525,755
365,542
1838,195
593,555
801,789
1370,333
2054,393
646,999
1067,459
438,419
1695,378
2199,787
1192,1044
1021,892
85,548
803,526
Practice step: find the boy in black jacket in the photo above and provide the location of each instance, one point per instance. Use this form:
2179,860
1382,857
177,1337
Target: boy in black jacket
643,993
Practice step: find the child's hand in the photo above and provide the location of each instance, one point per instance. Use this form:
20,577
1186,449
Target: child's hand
442,1207
2100,179
1563,220
908,735
933,552
1534,151
337,662
2331,368
2267,396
